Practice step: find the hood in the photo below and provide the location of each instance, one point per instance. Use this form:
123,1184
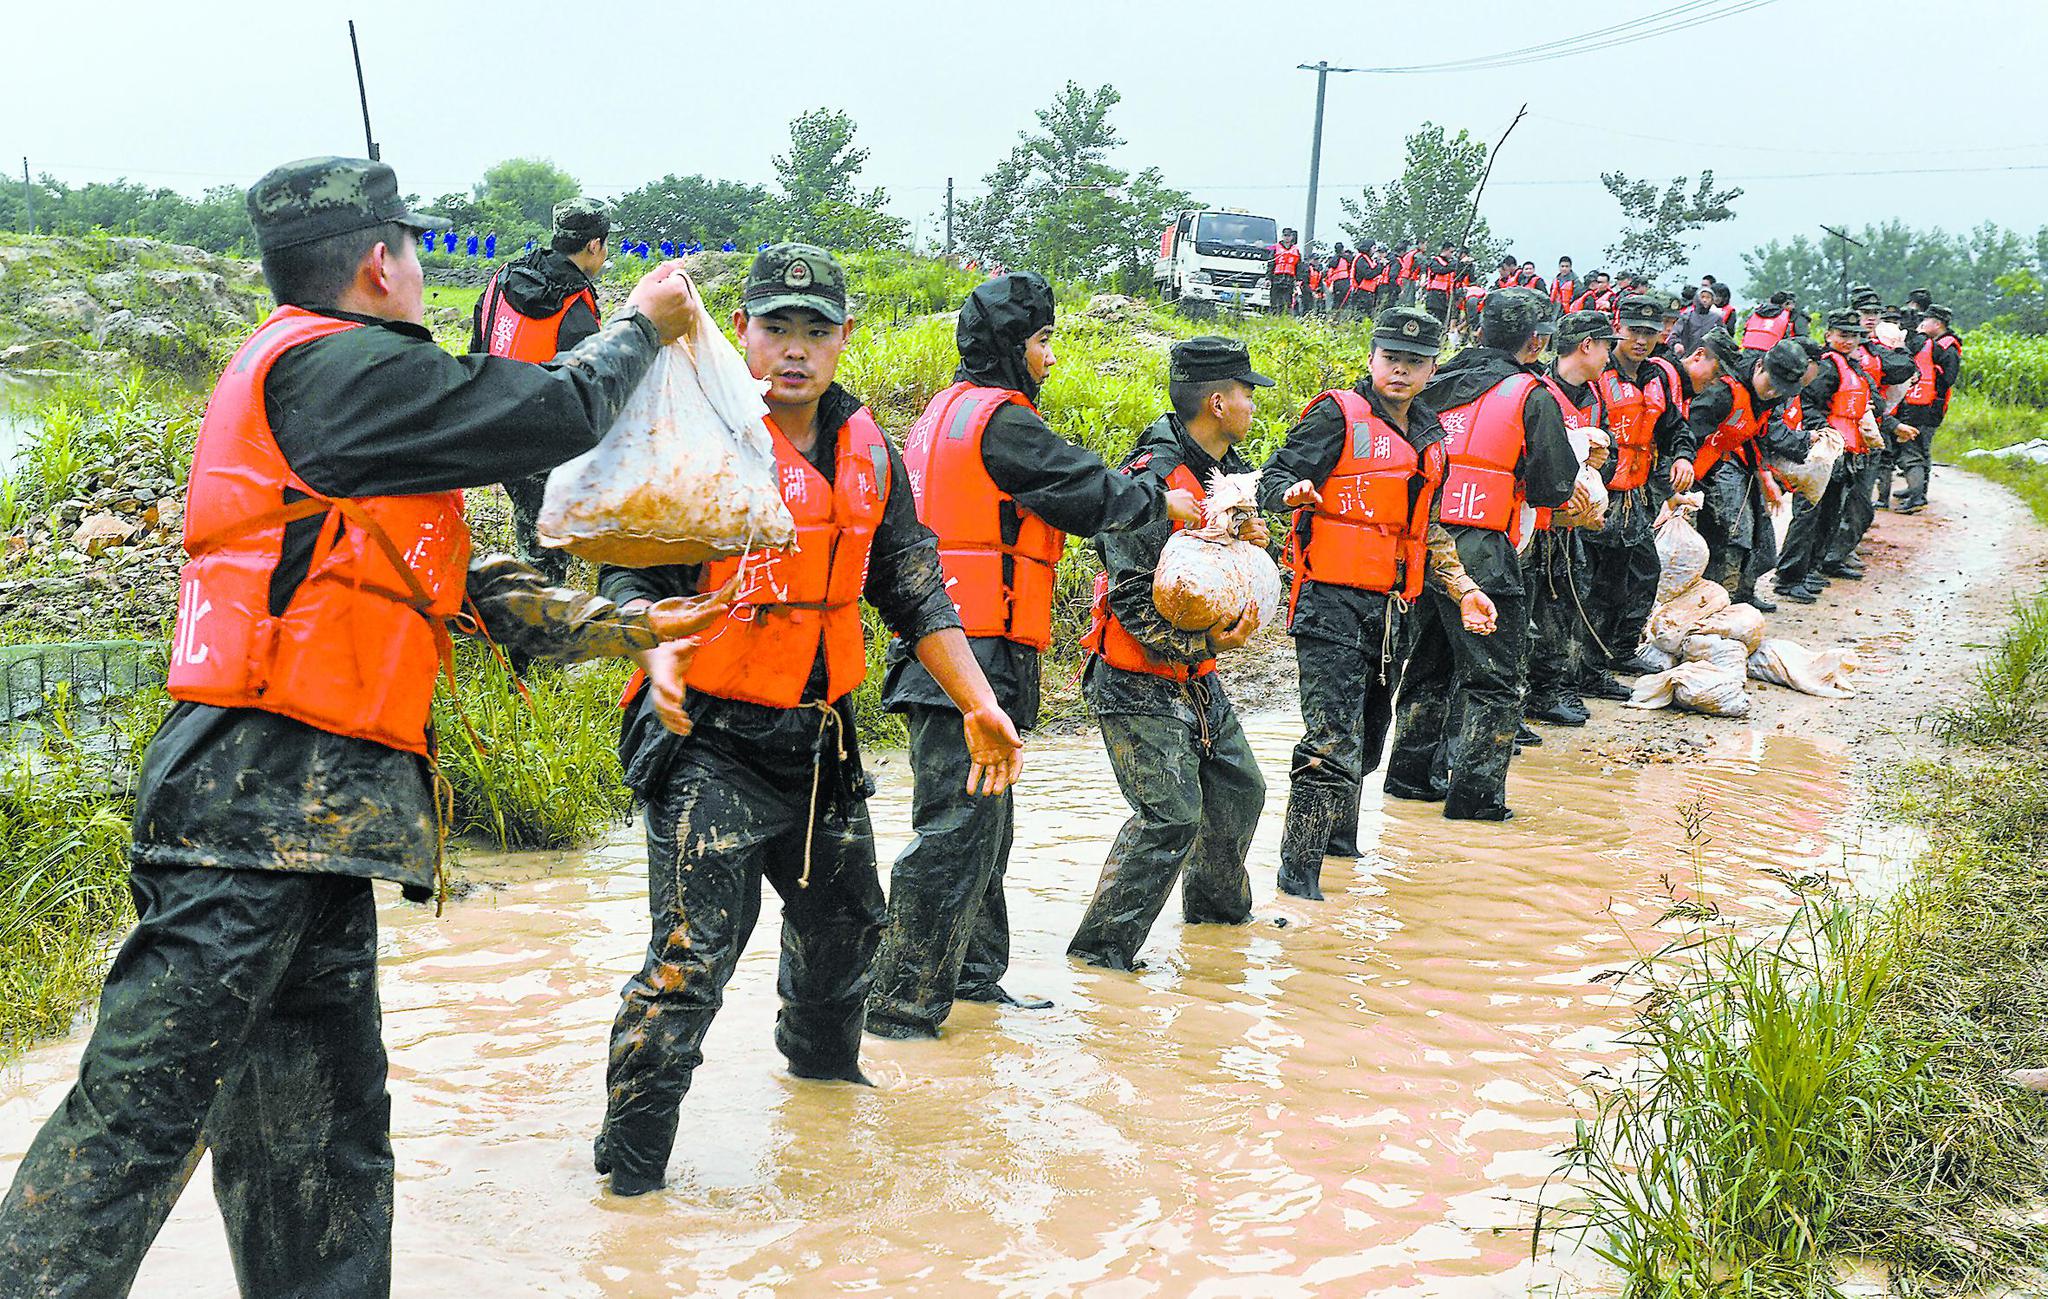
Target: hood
1768,310
539,282
1467,376
998,318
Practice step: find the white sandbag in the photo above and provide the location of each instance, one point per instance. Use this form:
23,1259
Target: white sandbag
1788,663
1721,652
1743,622
1654,691
1655,659
1207,575
1681,550
685,474
1594,516
1675,619
1809,477
1706,688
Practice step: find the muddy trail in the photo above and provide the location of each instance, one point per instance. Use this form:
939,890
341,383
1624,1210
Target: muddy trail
1363,1101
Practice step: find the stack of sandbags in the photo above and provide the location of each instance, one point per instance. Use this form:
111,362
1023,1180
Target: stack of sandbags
1696,633
1788,663
1700,687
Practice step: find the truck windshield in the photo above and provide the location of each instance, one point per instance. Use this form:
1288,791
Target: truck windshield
1236,231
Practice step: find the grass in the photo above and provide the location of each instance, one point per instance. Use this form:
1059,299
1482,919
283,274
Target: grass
2003,367
1835,1087
1976,422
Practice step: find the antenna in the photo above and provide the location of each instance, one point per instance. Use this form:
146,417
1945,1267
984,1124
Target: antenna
361,93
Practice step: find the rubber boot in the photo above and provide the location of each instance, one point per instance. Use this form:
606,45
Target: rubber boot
1344,829
1310,814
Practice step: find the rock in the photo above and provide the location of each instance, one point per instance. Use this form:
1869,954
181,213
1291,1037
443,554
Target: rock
101,532
70,309
13,544
43,353
1113,306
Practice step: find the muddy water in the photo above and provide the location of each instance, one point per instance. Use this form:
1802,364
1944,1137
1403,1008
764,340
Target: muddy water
1361,1102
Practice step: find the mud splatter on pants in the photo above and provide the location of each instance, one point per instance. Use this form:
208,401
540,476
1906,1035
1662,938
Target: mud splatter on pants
1554,573
1196,794
948,930
1622,572
240,1016
1812,529
725,816
1460,702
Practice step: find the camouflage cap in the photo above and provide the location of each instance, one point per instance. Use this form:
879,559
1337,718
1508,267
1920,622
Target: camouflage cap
1640,311
1721,345
1583,327
1941,313
317,198
1848,320
1405,329
795,275
1866,298
582,218
1211,358
1515,311
1786,363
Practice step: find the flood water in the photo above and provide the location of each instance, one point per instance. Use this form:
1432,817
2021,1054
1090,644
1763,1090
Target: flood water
1363,1102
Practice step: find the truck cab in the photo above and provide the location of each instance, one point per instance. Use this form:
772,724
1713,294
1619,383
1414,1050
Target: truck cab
1218,255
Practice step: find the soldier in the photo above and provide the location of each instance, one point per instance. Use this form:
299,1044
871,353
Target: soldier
1360,471
1838,397
1888,369
1508,450
1937,361
534,309
762,778
1001,490
1180,756
1622,564
1440,280
1284,270
1734,424
1555,569
241,1014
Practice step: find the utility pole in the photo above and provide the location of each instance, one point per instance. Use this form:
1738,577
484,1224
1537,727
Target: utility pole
1846,241
1322,69
361,93
28,194
949,216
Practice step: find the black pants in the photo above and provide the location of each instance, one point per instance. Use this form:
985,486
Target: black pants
948,930
240,1016
1347,707
1555,573
1812,529
1916,462
1859,507
1195,793
1622,572
1741,544
1459,705
719,822
526,494
1437,303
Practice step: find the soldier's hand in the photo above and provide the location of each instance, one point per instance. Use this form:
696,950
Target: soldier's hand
667,297
1476,611
1906,432
686,615
1581,501
1681,475
995,750
667,665
1253,529
1233,633
1596,452
1302,493
1182,507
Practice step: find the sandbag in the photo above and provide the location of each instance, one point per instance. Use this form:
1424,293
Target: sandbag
1705,688
685,474
1681,550
1743,622
1720,652
1655,659
1594,515
1207,575
1674,620
1809,477
1788,663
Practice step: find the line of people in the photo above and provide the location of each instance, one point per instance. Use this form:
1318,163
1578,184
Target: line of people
1444,590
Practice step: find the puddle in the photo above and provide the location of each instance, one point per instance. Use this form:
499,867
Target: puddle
1363,1102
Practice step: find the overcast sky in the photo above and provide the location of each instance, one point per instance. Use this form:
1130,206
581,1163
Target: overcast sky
622,94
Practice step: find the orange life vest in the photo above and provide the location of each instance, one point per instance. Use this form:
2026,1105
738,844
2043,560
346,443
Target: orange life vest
1106,637
1872,366
1371,531
1562,290
1953,344
1286,261
1407,266
1632,423
1851,400
1760,332
1736,431
1001,588
355,650
1341,269
1484,443
1440,281
1315,277
1369,274
1727,315
1665,396
506,332
1921,391
798,601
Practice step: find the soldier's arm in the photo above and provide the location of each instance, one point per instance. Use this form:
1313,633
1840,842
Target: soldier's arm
1550,465
1131,558
1307,454
1068,486
1816,396
530,619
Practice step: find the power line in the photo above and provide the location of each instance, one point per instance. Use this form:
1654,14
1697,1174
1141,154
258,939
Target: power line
1766,148
1678,18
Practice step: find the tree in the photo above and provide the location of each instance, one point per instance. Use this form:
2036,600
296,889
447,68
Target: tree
1962,271
1430,201
1656,241
527,189
683,208
1058,204
820,203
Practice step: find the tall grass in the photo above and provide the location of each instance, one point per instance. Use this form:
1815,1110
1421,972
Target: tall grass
1976,422
2005,367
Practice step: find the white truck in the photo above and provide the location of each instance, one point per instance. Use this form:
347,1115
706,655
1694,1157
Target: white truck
1217,255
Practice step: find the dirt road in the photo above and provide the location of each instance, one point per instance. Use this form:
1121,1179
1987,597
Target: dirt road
1364,1101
